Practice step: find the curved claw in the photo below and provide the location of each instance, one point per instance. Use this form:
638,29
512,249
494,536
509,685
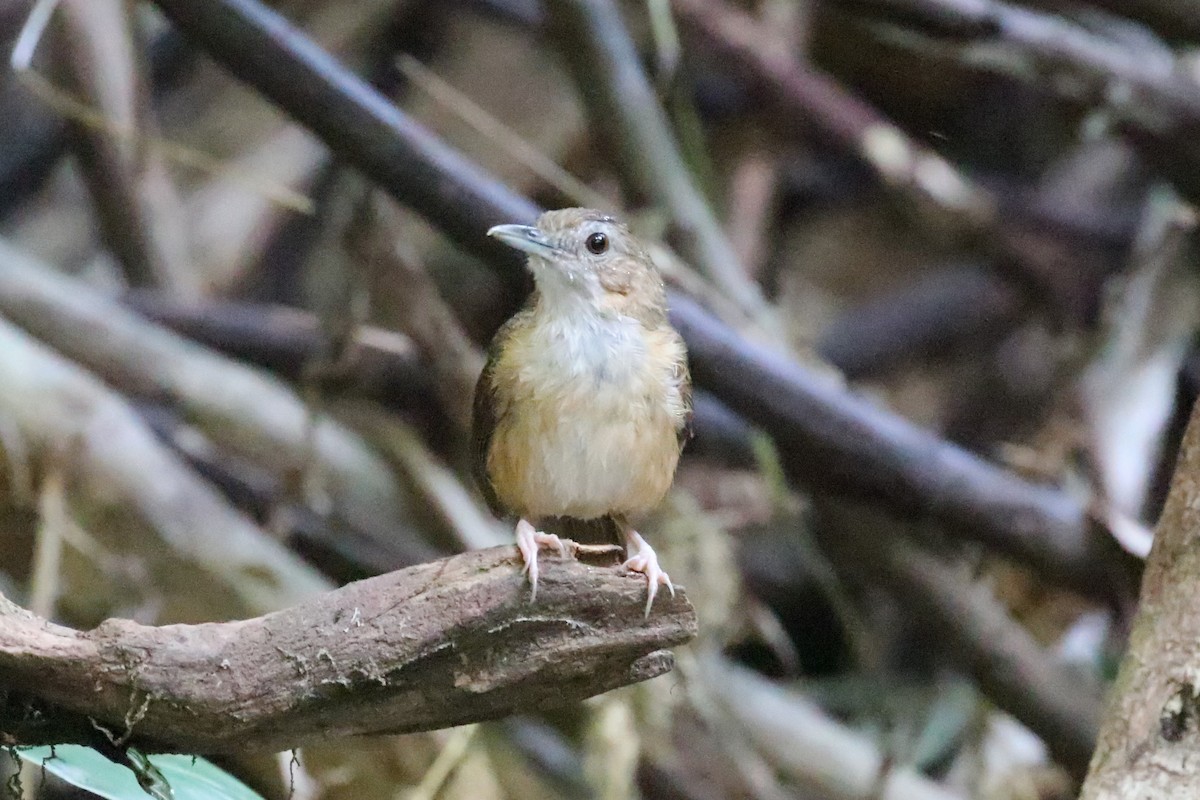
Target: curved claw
529,541
642,558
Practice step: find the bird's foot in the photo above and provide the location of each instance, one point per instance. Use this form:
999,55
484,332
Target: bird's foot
529,540
642,558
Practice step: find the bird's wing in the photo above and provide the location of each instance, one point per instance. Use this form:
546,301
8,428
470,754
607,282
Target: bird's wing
683,428
490,407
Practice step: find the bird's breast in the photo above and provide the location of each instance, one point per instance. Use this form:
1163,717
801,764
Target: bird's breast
594,409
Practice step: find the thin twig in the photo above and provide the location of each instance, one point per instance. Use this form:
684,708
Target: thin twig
374,238
436,485
45,579
89,116
133,195
496,132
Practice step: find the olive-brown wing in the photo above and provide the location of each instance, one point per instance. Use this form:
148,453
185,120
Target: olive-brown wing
489,410
684,429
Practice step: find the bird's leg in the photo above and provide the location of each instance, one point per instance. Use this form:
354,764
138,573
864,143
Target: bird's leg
640,557
529,539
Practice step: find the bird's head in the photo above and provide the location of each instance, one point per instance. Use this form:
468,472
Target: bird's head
583,259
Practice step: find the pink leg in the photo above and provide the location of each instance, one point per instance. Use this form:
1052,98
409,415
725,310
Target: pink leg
529,539
642,558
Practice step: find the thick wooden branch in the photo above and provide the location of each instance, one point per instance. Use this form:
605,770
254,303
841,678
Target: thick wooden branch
838,442
432,646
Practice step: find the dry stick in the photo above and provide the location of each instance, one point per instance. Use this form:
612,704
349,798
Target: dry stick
832,438
436,485
375,239
495,131
151,506
135,201
380,364
359,124
343,552
53,518
752,207
232,228
810,99
239,408
1148,741
98,120
432,646
623,109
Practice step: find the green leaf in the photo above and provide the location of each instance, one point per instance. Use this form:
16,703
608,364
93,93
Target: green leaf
166,777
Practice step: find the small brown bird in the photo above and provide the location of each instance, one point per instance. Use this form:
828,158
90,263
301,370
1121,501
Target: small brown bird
585,402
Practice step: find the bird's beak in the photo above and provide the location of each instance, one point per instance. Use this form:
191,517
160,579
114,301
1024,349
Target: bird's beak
523,237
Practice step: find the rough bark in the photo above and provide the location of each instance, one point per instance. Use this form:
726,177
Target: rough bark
432,646
1149,738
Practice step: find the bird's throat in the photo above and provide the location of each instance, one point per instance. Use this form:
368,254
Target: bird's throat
588,346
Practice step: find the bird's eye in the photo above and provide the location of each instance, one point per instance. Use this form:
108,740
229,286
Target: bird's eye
597,243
